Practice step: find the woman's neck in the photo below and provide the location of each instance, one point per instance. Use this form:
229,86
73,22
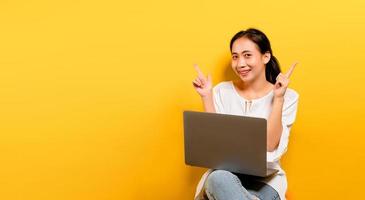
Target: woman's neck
254,89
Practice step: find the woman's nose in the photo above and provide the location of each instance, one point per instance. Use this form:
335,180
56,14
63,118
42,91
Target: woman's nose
241,62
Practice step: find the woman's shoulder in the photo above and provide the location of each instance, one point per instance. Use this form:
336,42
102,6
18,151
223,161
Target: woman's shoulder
291,97
223,85
291,94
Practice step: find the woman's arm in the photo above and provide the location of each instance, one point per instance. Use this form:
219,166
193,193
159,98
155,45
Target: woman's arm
208,103
274,124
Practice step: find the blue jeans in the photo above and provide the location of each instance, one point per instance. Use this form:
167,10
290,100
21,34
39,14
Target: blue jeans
224,185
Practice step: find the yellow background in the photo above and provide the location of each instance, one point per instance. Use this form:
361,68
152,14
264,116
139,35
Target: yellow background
92,93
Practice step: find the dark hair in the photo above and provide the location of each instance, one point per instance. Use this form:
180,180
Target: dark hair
272,69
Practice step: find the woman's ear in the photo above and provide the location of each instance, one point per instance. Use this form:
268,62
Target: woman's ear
267,57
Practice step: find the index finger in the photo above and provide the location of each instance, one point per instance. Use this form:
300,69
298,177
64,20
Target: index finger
288,74
198,70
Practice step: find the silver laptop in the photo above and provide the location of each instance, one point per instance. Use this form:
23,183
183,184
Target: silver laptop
229,142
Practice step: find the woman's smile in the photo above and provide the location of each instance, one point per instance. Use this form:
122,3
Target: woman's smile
244,72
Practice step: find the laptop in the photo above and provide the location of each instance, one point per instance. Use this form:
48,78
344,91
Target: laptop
229,142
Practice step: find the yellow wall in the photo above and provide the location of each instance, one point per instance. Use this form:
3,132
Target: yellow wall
92,93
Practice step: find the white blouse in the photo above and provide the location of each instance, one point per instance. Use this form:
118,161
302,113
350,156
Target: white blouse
228,101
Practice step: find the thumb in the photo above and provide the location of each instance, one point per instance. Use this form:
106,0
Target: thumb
209,78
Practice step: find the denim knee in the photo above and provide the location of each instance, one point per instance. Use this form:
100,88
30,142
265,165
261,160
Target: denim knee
219,178
222,181
222,184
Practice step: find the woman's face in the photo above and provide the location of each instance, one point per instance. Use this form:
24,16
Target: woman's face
248,62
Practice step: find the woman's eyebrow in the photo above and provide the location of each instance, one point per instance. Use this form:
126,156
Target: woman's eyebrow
245,51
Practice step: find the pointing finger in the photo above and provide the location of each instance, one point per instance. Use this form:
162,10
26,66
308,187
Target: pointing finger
288,74
200,73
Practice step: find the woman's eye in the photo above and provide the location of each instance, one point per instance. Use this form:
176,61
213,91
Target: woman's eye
247,55
234,57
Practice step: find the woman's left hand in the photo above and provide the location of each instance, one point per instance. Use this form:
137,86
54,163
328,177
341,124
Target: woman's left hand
282,82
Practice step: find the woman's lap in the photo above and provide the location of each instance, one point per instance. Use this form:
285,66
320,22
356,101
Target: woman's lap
226,185
257,188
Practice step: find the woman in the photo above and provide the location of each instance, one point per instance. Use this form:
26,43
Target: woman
261,91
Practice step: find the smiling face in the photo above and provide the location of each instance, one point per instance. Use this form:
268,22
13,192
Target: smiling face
248,62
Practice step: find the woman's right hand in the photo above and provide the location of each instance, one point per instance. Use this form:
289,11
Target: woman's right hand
202,84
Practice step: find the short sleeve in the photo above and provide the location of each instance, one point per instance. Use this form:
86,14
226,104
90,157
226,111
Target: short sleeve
217,99
288,118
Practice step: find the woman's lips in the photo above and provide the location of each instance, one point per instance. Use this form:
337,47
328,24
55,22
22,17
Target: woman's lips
244,72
